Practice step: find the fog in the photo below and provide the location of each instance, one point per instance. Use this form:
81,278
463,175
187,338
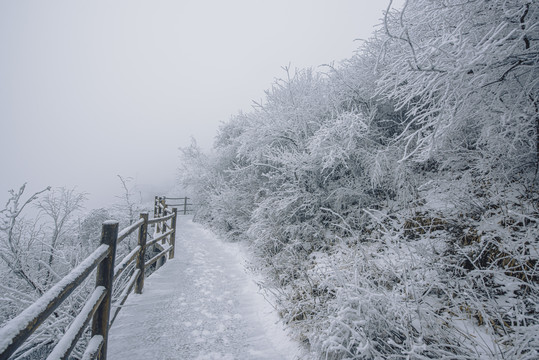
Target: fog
92,90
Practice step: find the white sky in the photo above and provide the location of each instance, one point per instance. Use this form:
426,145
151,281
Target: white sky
92,89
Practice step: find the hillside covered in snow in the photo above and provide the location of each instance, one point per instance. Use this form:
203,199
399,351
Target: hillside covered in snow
391,201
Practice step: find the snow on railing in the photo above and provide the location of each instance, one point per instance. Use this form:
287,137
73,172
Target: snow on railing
97,307
16,331
128,230
162,205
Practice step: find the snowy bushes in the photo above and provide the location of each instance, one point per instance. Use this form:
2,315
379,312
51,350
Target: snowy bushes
467,74
392,202
35,253
38,249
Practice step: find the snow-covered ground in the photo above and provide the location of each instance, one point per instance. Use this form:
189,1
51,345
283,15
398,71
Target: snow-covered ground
200,305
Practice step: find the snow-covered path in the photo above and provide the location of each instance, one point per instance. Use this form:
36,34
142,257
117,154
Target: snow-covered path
200,305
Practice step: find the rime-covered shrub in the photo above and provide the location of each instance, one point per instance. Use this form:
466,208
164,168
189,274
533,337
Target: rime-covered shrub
392,202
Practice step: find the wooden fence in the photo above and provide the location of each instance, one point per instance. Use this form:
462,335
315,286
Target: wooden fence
97,307
182,204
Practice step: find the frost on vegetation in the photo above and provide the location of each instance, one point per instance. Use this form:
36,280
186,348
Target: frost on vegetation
39,253
392,204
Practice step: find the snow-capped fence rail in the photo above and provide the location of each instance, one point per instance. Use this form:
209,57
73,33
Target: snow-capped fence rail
182,204
98,306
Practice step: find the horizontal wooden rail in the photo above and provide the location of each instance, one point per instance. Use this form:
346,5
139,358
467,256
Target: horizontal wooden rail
160,219
74,332
16,331
94,347
98,307
128,259
160,237
125,293
163,203
156,257
129,230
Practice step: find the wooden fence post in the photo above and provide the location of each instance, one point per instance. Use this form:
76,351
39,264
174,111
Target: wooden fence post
159,212
185,205
104,277
173,235
155,208
163,259
142,236
164,229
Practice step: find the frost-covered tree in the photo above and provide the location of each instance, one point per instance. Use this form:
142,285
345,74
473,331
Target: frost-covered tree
58,208
466,73
392,202
18,238
37,251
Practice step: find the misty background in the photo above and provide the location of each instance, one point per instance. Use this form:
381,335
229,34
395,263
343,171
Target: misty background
92,90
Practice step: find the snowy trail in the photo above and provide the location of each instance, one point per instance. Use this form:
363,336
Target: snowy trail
200,305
